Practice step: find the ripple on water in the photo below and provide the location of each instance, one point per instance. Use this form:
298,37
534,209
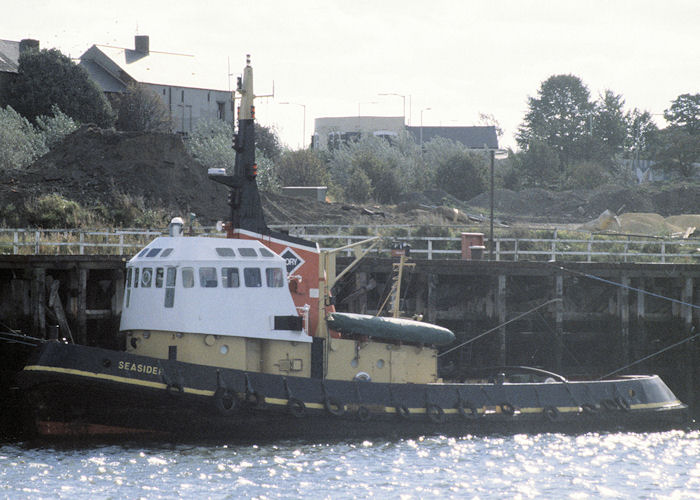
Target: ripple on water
616,465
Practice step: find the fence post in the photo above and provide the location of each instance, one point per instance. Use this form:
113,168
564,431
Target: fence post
554,246
515,250
15,243
430,249
663,252
498,249
37,239
590,245
121,244
82,243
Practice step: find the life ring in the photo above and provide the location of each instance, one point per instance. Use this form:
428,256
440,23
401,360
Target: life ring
363,414
362,377
296,407
227,403
467,410
589,408
402,411
551,413
507,409
622,403
435,413
609,404
334,406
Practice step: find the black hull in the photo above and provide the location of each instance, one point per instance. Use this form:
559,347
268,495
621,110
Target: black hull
77,391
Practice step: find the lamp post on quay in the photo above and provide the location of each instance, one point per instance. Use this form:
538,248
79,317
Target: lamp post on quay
492,154
421,124
403,97
303,137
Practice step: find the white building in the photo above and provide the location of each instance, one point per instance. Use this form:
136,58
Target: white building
187,91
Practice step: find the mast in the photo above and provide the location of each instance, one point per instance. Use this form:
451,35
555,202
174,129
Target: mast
244,198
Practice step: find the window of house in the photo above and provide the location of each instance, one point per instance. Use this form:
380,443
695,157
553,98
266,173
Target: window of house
187,277
159,277
221,111
163,90
182,96
274,277
229,277
207,277
252,277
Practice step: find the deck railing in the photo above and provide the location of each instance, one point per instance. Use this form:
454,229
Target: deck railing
591,248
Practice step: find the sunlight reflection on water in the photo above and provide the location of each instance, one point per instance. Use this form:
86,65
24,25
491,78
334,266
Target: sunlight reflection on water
621,465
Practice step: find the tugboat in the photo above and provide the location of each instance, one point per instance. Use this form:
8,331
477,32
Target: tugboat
237,338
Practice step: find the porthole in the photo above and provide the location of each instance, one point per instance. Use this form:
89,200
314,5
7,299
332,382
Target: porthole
354,363
223,349
380,363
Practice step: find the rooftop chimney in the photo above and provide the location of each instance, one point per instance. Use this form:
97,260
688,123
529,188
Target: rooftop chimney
141,43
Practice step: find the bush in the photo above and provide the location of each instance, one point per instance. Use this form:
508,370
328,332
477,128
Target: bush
587,175
55,128
54,211
211,144
301,168
140,109
20,143
358,186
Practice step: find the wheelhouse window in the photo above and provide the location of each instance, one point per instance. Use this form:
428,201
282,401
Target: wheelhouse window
128,277
266,253
153,252
143,252
159,277
207,277
166,252
170,280
146,277
274,277
252,277
230,277
136,277
187,277
225,252
247,252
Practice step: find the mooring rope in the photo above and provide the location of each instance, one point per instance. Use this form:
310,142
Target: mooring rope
499,326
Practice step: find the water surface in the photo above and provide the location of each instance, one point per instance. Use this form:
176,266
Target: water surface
616,465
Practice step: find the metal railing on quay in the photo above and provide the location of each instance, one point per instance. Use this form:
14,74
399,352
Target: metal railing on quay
594,248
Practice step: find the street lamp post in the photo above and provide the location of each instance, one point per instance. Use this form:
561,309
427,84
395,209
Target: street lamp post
421,124
303,137
492,155
403,97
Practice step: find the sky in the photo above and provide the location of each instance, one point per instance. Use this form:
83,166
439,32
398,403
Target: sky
452,60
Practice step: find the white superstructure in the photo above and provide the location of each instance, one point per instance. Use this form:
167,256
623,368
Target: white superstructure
210,286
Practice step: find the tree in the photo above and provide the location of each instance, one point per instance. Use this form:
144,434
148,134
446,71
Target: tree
48,77
541,164
685,113
301,168
609,128
267,141
55,128
140,109
459,175
679,150
560,116
642,135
